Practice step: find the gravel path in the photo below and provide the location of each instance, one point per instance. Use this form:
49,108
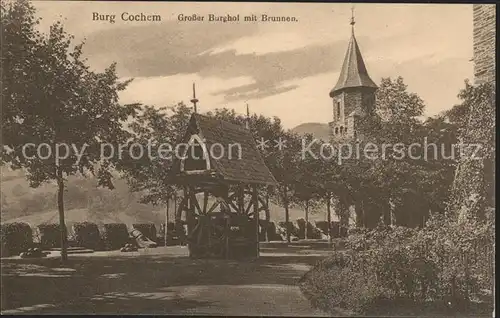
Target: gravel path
165,281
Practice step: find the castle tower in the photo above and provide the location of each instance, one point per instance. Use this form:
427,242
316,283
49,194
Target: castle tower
354,94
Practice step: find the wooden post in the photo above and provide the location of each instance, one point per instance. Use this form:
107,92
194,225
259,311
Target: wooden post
189,214
241,199
255,200
329,220
224,194
227,231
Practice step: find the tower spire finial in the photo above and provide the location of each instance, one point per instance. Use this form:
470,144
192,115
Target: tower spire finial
194,100
352,17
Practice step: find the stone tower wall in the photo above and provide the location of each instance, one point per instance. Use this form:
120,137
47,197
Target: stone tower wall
484,18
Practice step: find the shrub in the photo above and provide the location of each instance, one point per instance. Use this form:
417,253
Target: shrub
338,282
147,229
312,232
445,261
16,238
49,235
86,234
176,233
322,226
272,232
114,236
281,229
300,224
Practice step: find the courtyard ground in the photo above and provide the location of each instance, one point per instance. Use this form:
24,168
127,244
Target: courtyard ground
161,281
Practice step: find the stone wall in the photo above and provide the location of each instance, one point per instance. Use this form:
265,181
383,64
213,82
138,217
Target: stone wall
484,18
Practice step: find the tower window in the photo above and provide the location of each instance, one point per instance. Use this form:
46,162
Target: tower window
336,130
338,110
341,130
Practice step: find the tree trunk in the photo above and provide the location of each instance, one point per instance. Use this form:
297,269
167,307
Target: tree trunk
358,208
344,216
266,231
307,220
166,221
62,223
287,214
329,220
387,212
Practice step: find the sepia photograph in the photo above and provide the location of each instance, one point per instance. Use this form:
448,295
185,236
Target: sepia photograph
297,159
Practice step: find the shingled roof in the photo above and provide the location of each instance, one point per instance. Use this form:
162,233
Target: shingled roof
249,168
353,73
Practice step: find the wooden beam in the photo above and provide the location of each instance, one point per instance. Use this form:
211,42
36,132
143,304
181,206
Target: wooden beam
196,204
189,216
205,201
213,207
241,199
255,200
250,204
182,206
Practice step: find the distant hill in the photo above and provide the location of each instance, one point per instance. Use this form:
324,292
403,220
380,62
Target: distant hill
156,216
318,130
82,215
38,205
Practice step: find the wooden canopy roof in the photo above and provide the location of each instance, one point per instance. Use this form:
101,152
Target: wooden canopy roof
236,164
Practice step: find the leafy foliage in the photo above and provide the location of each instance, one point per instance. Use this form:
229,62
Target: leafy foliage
447,262
87,235
147,229
114,235
51,97
15,238
49,235
154,127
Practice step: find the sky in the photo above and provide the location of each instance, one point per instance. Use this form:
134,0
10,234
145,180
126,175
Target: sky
283,69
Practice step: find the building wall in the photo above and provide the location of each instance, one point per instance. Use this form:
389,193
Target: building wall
360,99
484,19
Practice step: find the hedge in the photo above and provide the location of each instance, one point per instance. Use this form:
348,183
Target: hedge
176,234
272,233
334,226
86,234
147,229
48,235
16,238
281,230
312,232
114,236
171,230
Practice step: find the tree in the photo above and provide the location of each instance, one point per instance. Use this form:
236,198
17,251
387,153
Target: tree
52,98
307,190
398,109
155,127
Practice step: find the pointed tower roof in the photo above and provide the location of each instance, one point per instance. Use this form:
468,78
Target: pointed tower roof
353,73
